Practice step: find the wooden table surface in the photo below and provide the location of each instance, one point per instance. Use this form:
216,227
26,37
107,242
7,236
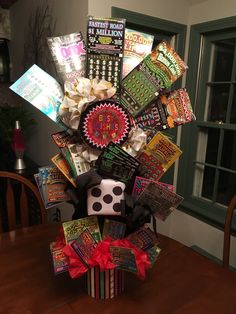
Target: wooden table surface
182,281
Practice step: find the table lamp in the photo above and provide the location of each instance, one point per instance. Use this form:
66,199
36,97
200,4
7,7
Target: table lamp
18,146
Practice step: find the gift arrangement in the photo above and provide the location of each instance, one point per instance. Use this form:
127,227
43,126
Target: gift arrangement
113,102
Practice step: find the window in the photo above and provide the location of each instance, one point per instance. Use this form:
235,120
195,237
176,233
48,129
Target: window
209,143
161,30
172,32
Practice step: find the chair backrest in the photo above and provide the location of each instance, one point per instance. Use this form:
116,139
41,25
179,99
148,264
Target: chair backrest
227,231
20,202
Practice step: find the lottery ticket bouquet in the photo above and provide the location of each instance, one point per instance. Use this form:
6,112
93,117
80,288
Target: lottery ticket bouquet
113,106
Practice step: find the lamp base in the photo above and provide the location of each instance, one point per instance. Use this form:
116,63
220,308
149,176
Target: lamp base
19,164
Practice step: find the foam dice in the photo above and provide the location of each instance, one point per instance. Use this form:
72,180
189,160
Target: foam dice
106,198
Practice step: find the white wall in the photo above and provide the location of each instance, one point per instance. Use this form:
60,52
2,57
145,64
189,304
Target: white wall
70,16
208,10
191,231
176,11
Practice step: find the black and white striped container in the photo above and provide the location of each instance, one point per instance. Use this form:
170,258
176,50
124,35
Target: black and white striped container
106,284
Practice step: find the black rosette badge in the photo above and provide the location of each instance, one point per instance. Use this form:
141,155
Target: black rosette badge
103,122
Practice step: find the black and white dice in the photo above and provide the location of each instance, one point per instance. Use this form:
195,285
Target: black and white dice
106,198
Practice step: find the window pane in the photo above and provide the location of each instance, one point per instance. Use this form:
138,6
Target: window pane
204,181
233,110
218,102
212,146
223,60
226,187
208,182
207,146
228,158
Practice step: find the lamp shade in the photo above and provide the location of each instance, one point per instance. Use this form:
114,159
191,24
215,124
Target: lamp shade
5,25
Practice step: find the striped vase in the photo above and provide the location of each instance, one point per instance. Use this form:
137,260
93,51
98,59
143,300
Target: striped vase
106,284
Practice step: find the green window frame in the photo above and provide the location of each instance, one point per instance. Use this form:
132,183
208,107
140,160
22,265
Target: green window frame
161,30
204,38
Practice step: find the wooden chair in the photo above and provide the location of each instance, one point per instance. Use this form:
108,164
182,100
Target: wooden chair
227,231
20,202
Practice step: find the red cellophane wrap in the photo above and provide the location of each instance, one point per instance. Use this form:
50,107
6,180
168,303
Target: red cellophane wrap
75,267
60,241
101,256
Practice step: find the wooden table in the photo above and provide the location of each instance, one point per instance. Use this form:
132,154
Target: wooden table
182,281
